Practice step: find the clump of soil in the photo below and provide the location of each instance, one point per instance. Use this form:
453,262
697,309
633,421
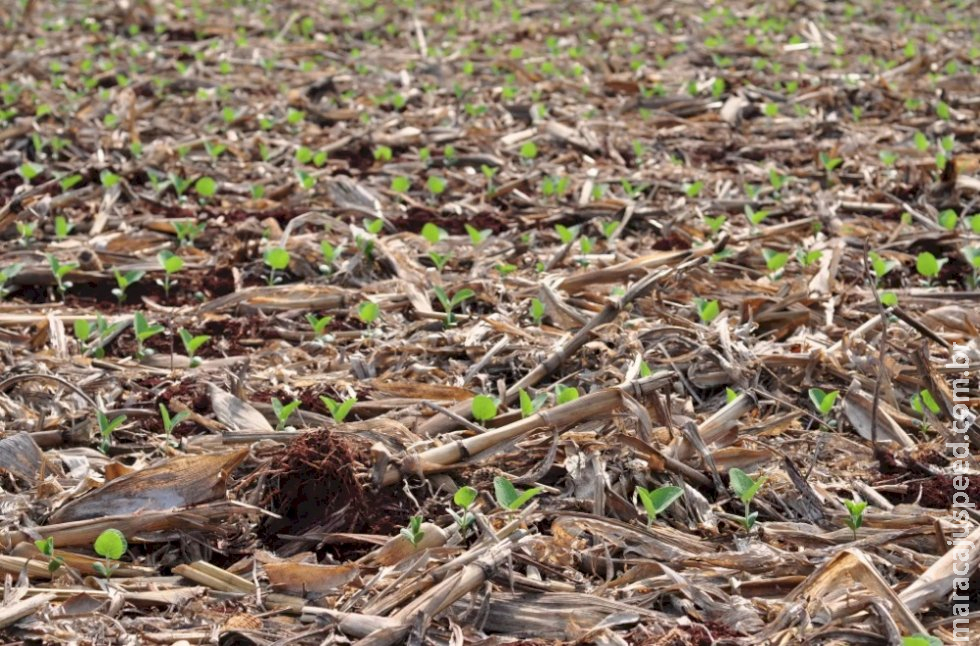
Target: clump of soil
320,486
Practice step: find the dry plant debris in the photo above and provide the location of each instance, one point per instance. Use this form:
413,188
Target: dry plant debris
488,322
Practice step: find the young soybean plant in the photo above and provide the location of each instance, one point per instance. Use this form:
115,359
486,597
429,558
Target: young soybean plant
464,499
106,428
855,511
338,410
746,488
484,408
824,402
657,501
283,411
110,545
413,533
508,497
449,304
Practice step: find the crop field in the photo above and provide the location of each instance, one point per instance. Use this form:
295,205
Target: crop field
491,322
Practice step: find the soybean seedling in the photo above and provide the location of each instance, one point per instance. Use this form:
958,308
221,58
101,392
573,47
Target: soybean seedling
46,547
707,310
824,402
338,410
6,275
277,259
530,406
110,545
929,266
746,488
192,344
188,230
464,499
449,304
123,281
84,333
319,325
329,253
170,422
144,330
368,312
484,408
855,519
921,402
283,411
537,311
477,236
106,428
565,394
508,497
657,501
413,532
171,263
60,270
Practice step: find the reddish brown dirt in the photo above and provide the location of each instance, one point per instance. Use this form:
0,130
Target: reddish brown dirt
314,487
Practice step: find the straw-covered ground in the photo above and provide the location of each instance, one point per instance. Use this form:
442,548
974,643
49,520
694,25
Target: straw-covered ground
489,322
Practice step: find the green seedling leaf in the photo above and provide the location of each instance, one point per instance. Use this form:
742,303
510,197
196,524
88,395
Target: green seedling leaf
565,394
657,501
436,184
880,266
948,219
368,312
413,533
730,395
715,223
694,189
708,311
170,262
566,234
743,486
855,510
283,411
972,255
400,184
529,150
338,410
439,259
477,236
537,311
433,233
318,323
171,422
484,408
775,260
111,544
206,187
823,401
927,265
974,222
755,217
510,498
277,258
807,258
921,142
465,496
889,299
192,343
62,227
45,545
830,163
143,329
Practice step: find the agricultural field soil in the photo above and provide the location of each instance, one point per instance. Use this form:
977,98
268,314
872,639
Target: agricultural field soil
489,322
